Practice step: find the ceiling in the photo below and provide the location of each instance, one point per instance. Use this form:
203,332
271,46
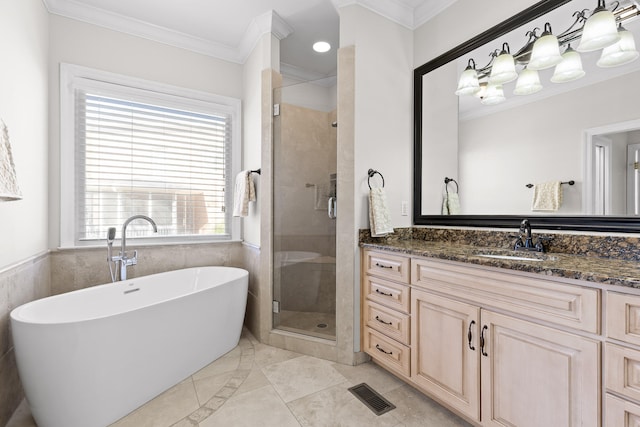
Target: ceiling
229,29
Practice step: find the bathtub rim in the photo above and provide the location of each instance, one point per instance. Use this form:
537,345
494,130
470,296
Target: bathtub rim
15,314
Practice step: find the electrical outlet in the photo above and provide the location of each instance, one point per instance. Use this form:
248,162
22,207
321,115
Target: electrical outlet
404,208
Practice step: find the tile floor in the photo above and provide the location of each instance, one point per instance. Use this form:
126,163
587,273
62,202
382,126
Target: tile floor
259,385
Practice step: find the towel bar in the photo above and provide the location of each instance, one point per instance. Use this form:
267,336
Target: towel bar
371,173
258,171
572,182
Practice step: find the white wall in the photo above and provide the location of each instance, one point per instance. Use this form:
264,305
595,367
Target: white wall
265,55
89,45
383,108
24,28
534,143
460,22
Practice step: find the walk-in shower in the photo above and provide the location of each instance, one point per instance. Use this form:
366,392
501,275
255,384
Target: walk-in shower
305,208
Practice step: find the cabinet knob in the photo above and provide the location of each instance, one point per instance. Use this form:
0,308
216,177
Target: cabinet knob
378,291
383,266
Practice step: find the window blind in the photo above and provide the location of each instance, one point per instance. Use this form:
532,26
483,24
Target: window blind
143,158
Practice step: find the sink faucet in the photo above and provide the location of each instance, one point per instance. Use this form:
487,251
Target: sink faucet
123,259
524,241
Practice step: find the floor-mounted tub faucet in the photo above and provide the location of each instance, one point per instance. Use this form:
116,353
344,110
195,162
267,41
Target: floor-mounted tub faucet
122,259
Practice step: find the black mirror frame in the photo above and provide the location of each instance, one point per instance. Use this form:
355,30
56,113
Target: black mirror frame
577,223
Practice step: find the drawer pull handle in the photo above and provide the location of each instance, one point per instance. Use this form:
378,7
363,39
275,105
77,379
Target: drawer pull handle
382,321
378,291
482,341
470,335
383,266
383,350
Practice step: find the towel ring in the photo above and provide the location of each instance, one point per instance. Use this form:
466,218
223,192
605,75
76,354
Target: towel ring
371,173
446,184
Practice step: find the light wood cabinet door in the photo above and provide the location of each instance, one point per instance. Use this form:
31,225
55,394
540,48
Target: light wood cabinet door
620,413
445,351
536,376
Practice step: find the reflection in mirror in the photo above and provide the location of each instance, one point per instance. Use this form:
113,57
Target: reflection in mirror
581,127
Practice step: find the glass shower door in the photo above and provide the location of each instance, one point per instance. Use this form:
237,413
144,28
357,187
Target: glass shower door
305,208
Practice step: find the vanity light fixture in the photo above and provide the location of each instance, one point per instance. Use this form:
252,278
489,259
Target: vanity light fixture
546,51
468,83
570,68
622,52
321,47
542,52
599,31
504,67
494,95
528,82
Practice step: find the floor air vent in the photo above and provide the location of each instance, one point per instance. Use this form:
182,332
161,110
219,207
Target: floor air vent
374,401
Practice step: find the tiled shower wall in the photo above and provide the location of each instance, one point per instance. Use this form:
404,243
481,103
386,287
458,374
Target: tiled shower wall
67,270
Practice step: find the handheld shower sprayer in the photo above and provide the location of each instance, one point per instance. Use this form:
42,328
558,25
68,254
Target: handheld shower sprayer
111,235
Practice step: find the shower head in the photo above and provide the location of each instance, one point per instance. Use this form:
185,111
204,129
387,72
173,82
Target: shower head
334,124
111,235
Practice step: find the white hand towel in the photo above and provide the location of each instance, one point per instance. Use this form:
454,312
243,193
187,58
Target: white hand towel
379,218
451,204
244,193
547,196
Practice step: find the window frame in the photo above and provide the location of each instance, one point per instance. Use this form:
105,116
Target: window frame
75,76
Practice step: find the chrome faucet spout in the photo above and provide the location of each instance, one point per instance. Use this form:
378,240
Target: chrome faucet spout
126,223
126,261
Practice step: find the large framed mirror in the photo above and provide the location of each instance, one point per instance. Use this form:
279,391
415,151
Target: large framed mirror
493,163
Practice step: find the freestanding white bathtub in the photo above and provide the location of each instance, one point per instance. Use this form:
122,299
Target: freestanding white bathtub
89,357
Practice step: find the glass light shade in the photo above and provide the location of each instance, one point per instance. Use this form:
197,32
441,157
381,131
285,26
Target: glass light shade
599,31
503,69
494,95
468,83
482,92
546,52
528,83
569,69
622,52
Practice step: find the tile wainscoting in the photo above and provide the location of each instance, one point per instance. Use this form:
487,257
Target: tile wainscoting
61,271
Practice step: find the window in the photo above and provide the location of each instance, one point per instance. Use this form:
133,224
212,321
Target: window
134,147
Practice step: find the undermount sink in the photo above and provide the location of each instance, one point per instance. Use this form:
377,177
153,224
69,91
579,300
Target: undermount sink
511,257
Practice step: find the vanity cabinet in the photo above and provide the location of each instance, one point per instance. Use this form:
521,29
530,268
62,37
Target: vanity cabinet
622,360
500,348
385,310
446,355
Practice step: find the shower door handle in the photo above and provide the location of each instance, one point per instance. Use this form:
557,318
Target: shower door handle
332,208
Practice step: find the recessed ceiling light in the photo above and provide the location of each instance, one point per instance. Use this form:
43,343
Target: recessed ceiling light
321,47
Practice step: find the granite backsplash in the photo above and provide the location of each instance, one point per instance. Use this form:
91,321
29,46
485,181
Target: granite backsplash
604,246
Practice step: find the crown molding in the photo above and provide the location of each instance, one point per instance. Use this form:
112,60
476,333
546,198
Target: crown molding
399,13
428,10
269,22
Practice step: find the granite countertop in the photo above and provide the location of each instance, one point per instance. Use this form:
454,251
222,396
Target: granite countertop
603,270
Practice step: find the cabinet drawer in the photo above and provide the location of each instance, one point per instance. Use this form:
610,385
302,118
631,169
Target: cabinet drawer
386,265
622,371
387,352
620,413
389,294
540,298
623,317
390,322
